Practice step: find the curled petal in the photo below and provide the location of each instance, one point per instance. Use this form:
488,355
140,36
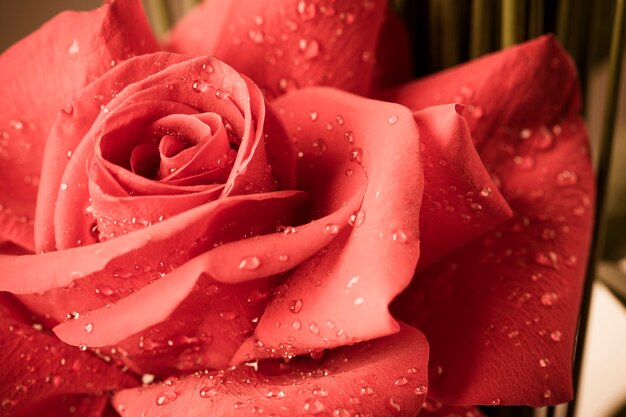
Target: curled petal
345,381
38,75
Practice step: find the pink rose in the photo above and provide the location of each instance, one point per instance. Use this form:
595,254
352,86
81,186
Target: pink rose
239,256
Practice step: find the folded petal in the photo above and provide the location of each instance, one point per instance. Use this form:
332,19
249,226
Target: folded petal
38,74
461,202
287,44
345,381
340,295
38,368
510,299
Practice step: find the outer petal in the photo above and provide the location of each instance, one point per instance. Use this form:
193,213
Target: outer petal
67,405
37,76
287,44
340,296
510,300
38,368
461,202
383,377
434,408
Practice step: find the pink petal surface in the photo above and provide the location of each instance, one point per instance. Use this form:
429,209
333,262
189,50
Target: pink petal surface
289,44
382,377
517,289
62,56
38,368
461,202
339,296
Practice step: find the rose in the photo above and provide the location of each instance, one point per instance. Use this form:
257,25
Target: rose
161,328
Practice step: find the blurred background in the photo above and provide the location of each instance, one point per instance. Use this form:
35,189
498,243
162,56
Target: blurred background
439,29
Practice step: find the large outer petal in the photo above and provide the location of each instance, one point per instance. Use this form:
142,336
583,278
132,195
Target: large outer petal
340,296
287,44
510,300
385,377
39,369
37,75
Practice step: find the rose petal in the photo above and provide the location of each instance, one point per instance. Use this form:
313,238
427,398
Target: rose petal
37,75
338,296
38,367
517,289
345,381
288,44
434,408
461,202
76,405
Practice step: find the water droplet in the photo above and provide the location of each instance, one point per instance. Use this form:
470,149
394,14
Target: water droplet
275,393
357,218
331,229
249,263
356,155
74,48
63,186
543,362
549,298
283,258
228,315
314,328
306,11
319,392
556,336
420,389
395,407
89,327
566,178
199,86
82,347
309,48
256,36
237,405
349,136
393,120
549,259
208,392
547,393
349,172
296,306
314,406
401,381
207,68
399,236
339,120
367,390
313,116
353,281
497,401
16,124
296,324
147,379
358,301
525,133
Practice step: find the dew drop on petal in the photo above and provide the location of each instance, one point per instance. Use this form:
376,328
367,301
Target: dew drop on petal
314,406
556,336
199,86
349,136
399,236
165,397
549,298
89,327
356,155
295,306
331,229
401,381
420,389
249,263
393,120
